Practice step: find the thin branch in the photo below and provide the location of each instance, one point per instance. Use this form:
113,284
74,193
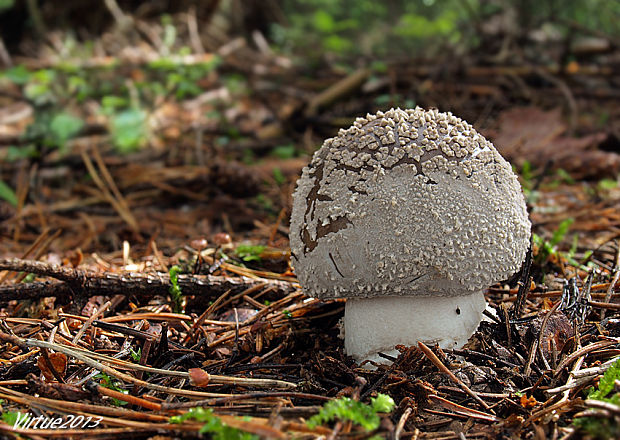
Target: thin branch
132,283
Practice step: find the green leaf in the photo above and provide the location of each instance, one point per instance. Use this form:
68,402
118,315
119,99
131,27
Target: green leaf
607,184
418,26
162,64
336,43
64,126
278,176
38,93
78,86
264,202
346,408
284,151
10,417
44,76
323,22
249,252
606,384
170,35
526,171
183,86
18,74
383,99
213,425
603,428
7,194
28,151
135,355
128,129
114,102
560,232
564,176
108,382
175,289
6,4
379,66
382,403
598,428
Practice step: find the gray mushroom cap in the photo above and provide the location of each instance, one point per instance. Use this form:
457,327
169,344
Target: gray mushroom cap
405,203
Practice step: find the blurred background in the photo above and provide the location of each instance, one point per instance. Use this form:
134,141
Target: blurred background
129,120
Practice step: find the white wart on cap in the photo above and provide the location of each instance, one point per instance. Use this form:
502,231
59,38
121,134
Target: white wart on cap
410,214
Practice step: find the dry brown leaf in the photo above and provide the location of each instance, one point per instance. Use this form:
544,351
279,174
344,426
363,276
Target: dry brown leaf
199,377
59,362
537,136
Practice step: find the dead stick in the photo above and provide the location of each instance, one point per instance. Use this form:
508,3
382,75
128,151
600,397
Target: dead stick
460,409
26,343
401,423
435,360
134,400
345,86
614,280
249,396
131,283
604,305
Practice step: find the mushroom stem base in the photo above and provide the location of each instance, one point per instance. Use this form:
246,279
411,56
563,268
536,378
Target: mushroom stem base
373,325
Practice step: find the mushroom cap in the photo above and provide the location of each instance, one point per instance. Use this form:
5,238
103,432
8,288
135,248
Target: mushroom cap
404,203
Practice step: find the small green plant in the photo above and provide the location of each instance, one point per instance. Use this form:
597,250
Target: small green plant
603,427
359,413
546,248
528,182
108,382
135,354
387,100
213,425
606,385
6,4
10,417
278,176
29,278
175,289
561,231
63,127
527,174
287,313
264,202
249,253
125,103
128,129
564,177
7,194
284,151
607,184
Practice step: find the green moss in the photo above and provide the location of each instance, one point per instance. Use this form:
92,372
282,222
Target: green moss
359,413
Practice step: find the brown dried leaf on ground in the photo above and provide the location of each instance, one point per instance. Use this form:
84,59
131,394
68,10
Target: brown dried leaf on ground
58,362
538,136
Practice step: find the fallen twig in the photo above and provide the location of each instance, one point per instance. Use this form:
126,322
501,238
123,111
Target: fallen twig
435,360
131,283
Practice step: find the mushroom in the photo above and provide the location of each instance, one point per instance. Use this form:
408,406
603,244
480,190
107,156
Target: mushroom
410,215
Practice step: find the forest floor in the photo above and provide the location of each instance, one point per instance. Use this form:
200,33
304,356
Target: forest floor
98,328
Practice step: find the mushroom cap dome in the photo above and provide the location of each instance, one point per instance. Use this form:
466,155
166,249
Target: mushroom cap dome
403,203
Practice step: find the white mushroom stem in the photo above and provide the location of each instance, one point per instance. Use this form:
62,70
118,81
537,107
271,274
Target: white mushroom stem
378,324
